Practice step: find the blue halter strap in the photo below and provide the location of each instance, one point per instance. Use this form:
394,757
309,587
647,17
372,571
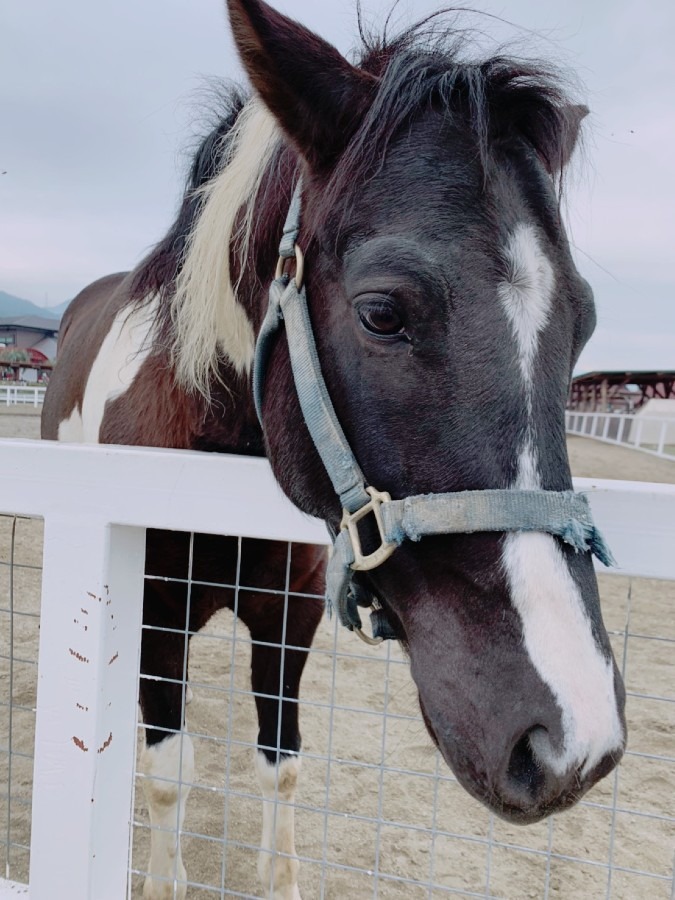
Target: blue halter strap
564,514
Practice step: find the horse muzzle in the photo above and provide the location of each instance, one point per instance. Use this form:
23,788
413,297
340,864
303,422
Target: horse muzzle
513,781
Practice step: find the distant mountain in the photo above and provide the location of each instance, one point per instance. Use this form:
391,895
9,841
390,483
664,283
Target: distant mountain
16,306
58,310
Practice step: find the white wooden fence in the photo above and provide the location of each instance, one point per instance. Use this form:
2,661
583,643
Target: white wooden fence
650,434
96,503
21,395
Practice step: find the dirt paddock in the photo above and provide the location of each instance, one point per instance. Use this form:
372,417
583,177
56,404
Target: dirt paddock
378,814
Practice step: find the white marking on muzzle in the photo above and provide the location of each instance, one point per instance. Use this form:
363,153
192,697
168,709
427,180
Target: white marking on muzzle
556,628
559,641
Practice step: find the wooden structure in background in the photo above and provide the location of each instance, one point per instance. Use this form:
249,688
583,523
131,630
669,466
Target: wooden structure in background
619,391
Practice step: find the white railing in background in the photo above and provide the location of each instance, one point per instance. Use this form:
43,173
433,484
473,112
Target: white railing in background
21,395
96,503
650,434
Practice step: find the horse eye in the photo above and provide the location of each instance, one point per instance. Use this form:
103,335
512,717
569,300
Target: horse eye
381,318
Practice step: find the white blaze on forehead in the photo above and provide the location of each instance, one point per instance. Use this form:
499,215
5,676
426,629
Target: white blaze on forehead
557,631
122,353
526,293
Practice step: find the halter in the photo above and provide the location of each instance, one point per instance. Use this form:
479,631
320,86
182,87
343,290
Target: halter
562,513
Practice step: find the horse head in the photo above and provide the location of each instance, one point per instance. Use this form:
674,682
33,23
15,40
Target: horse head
448,315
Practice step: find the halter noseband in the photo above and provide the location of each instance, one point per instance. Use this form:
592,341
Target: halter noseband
562,513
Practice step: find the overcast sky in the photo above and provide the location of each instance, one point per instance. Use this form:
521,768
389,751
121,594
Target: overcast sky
99,104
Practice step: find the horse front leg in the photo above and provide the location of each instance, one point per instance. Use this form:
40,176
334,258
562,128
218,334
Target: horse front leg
167,759
275,678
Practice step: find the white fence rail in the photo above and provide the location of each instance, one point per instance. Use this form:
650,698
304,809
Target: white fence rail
651,434
96,503
21,395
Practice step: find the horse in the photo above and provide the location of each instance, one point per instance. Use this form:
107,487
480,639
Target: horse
444,315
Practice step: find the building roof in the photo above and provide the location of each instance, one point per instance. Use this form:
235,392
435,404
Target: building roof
31,323
635,376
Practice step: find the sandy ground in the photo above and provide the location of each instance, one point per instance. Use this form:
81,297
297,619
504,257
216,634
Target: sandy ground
378,815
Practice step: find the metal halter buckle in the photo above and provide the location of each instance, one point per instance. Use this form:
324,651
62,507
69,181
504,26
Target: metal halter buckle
299,267
363,563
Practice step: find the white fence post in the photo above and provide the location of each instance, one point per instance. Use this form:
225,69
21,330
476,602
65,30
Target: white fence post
662,438
85,739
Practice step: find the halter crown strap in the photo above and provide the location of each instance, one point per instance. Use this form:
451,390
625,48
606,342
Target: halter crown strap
289,304
289,237
564,514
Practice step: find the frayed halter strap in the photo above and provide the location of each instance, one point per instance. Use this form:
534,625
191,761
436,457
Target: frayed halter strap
564,514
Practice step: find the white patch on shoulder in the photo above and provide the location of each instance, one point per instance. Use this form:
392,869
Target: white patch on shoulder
526,293
559,641
72,429
169,769
277,863
122,353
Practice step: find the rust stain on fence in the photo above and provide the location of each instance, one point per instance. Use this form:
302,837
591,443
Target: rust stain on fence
77,655
113,658
106,743
80,744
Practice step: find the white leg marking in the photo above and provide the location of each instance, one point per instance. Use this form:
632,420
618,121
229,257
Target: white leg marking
169,769
278,874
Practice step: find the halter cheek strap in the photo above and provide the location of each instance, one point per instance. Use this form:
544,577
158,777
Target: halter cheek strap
564,514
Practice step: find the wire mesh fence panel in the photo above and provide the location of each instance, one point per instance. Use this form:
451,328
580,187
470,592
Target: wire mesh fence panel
20,574
377,812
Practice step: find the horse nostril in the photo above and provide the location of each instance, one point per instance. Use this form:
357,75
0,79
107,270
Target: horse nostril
524,775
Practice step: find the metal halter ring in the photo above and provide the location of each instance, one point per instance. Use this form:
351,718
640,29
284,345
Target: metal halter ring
299,267
366,638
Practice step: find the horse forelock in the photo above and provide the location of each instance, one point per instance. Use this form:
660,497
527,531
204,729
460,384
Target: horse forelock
494,97
209,322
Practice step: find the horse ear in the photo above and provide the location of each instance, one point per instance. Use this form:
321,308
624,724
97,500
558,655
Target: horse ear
317,97
573,115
